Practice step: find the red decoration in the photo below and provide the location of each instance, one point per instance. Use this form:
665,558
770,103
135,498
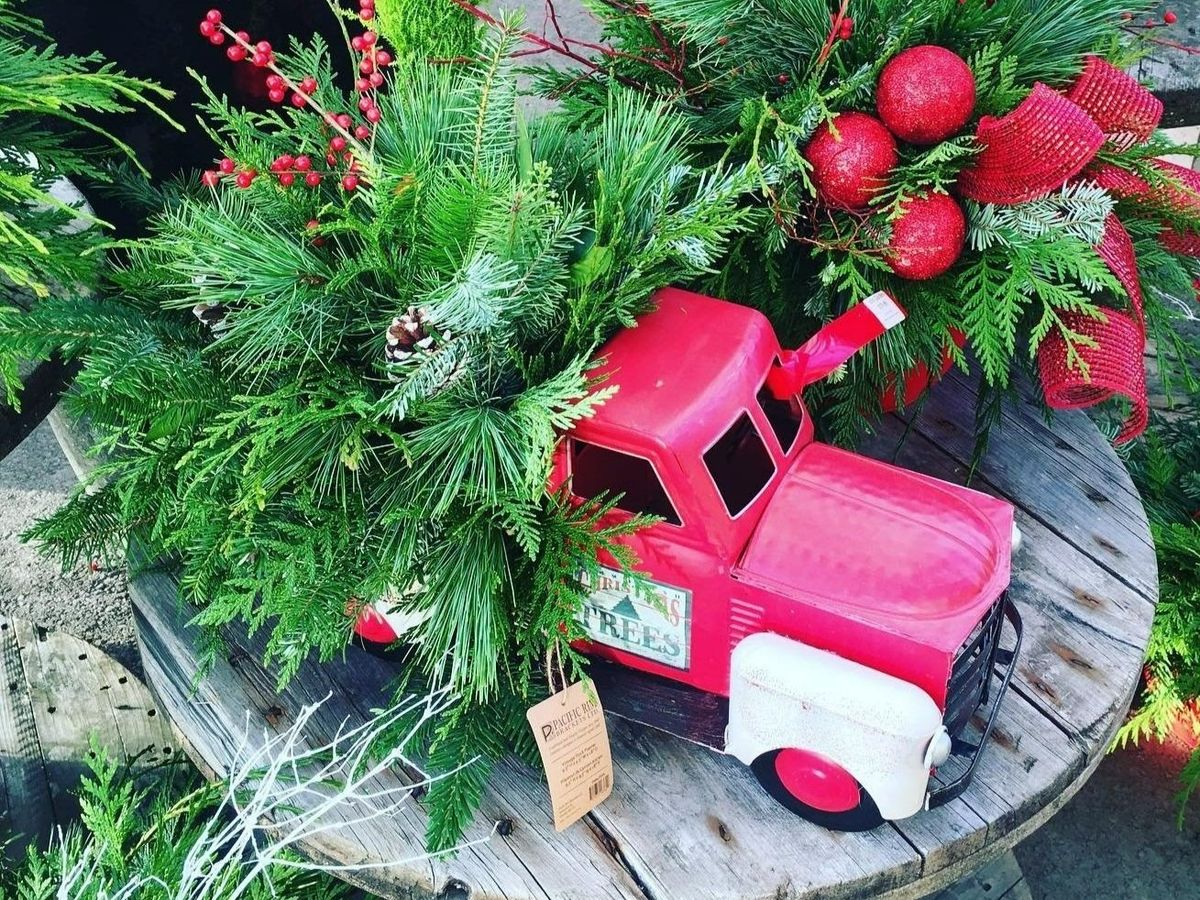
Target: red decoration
1034,150
926,94
1116,365
927,238
1126,112
851,166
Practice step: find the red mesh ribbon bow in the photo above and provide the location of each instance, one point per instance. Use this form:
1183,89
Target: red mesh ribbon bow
1036,149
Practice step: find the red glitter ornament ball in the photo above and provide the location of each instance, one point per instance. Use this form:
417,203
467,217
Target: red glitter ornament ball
851,160
925,95
927,238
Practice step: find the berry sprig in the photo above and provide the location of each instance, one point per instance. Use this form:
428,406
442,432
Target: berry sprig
346,144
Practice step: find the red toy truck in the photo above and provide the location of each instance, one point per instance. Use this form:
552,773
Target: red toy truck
831,621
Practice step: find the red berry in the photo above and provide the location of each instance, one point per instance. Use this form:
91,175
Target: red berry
376,79
245,179
303,164
308,85
207,28
260,59
313,225
287,179
369,38
362,85
722,41
214,16
365,103
274,82
331,159
357,43
350,183
374,115
299,100
1170,18
263,46
847,30
366,67
210,179
236,53
337,144
286,161
344,120
383,58
783,78
312,179
367,14
362,132
243,36
227,166
277,95
366,4
216,39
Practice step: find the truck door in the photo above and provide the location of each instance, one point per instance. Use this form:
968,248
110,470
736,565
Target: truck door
678,628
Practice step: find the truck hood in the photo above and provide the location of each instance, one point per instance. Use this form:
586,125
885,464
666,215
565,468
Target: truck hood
879,542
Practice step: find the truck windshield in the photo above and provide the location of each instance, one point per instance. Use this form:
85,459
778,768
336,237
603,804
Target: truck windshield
740,465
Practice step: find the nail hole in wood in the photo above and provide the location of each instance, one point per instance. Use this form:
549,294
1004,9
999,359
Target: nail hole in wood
504,827
167,751
122,680
83,656
151,714
51,709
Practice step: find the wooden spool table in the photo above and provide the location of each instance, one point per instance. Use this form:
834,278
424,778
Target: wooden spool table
58,693
684,822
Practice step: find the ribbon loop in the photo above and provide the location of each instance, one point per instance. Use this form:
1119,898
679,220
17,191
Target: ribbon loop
1125,111
1034,150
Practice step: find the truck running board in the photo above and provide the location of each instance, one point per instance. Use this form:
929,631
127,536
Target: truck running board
662,704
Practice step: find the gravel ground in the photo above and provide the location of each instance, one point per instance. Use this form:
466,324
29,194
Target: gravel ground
34,481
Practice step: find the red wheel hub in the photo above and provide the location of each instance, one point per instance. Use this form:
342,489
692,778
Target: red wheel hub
817,781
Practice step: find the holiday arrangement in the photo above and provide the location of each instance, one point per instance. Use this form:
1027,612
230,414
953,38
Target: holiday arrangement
336,372
989,164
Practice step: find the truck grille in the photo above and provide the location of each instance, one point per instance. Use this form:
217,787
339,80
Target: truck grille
972,672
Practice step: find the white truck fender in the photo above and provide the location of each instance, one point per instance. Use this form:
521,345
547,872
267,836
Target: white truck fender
882,730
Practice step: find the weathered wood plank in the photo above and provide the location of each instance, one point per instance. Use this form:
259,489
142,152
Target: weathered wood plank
999,880
59,693
29,810
529,862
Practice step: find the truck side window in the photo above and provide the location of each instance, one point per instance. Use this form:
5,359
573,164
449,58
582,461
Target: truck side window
740,464
597,470
785,420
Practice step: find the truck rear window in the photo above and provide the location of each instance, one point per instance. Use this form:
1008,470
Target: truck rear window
740,464
597,470
784,418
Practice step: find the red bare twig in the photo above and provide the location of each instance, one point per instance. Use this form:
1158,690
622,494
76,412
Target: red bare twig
834,30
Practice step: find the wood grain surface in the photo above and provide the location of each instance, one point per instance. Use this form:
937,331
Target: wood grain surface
59,691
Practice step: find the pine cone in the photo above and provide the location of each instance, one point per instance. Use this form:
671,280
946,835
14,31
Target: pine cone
210,314
409,334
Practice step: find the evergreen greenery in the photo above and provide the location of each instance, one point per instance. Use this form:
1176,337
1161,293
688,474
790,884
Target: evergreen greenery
134,841
1166,467
269,445
755,78
46,99
437,29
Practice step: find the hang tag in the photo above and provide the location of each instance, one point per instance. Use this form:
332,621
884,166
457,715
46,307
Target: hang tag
572,738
